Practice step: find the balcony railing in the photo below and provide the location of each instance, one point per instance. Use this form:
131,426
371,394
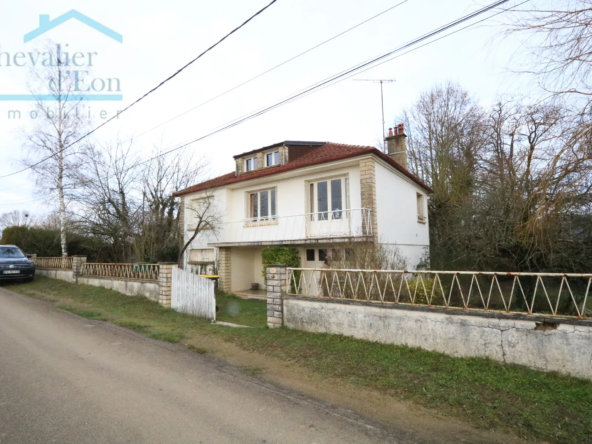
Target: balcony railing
326,224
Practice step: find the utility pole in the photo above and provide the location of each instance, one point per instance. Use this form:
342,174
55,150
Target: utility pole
381,81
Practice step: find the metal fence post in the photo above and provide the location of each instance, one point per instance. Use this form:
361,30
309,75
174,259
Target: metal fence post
276,285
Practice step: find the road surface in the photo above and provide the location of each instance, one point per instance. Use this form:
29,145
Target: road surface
66,379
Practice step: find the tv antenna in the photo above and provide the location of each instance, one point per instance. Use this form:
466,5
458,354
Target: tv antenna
381,81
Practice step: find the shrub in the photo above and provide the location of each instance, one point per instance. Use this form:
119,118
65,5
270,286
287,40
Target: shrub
423,292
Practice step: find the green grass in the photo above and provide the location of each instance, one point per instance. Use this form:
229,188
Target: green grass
241,311
533,405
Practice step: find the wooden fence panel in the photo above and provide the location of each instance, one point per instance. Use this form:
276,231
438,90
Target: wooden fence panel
193,295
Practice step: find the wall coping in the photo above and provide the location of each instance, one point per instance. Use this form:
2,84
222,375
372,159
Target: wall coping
449,311
107,278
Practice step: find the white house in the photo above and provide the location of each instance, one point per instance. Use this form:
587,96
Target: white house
310,195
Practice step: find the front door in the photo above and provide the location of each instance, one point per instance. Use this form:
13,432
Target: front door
326,208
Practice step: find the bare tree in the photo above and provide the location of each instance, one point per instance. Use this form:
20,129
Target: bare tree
159,236
17,218
60,120
558,35
108,206
445,139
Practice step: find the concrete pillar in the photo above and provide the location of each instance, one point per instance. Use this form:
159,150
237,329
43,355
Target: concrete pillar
165,282
77,263
225,269
277,277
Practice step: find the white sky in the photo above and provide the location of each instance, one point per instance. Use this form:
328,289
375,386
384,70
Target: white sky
160,37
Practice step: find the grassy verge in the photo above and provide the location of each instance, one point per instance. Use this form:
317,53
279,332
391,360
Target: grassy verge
533,405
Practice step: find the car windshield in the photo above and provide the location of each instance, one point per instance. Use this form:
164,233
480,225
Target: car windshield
11,253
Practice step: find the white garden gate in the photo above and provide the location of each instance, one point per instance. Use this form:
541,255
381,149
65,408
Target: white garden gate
193,294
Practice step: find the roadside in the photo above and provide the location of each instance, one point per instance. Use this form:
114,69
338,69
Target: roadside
427,393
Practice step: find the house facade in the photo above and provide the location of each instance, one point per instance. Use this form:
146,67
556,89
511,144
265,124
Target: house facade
315,196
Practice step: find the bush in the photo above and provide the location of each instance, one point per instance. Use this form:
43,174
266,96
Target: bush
281,255
423,292
46,243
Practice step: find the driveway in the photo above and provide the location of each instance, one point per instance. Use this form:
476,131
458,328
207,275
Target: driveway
66,379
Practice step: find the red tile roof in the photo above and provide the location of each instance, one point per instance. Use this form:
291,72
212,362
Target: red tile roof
323,154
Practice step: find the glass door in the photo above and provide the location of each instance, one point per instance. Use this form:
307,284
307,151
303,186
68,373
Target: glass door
326,202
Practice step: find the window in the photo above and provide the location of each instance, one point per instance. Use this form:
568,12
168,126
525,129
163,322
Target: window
310,255
262,204
11,253
322,254
421,217
272,158
326,198
251,164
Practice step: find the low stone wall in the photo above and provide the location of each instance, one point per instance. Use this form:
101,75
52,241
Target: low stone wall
62,275
150,289
540,343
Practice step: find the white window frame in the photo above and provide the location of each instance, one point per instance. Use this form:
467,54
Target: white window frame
421,208
253,161
259,219
273,156
312,201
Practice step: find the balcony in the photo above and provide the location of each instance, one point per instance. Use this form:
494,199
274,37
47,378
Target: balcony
307,228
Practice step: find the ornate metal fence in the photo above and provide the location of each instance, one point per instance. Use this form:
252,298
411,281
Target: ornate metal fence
145,272
550,294
53,263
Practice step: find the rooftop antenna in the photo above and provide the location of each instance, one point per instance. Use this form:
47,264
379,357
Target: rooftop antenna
381,81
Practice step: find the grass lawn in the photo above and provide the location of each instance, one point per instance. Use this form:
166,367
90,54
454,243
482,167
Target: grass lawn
533,405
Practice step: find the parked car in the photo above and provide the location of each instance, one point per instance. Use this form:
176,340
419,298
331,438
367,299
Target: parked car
14,264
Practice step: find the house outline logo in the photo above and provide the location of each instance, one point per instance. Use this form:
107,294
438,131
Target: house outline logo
45,25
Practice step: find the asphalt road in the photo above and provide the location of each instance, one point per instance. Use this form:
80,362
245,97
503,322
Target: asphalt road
65,379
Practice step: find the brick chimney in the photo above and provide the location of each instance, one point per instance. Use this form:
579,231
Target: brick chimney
397,145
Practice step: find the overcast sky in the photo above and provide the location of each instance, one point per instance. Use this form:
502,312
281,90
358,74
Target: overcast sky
159,37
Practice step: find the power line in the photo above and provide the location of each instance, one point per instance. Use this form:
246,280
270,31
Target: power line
148,93
340,76
274,68
344,75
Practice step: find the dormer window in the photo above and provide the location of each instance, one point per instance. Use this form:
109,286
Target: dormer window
251,164
272,158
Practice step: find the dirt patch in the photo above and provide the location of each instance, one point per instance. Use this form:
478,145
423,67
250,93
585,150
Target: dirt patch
368,403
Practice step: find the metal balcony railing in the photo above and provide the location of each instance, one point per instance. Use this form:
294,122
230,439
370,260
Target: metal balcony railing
327,224
545,294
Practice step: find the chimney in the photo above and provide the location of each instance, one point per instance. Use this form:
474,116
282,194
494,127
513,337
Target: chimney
397,145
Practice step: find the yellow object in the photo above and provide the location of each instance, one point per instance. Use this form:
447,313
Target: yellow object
210,276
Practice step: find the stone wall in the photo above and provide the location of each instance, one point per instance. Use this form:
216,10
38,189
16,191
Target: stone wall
224,268
149,289
548,345
62,275
276,287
